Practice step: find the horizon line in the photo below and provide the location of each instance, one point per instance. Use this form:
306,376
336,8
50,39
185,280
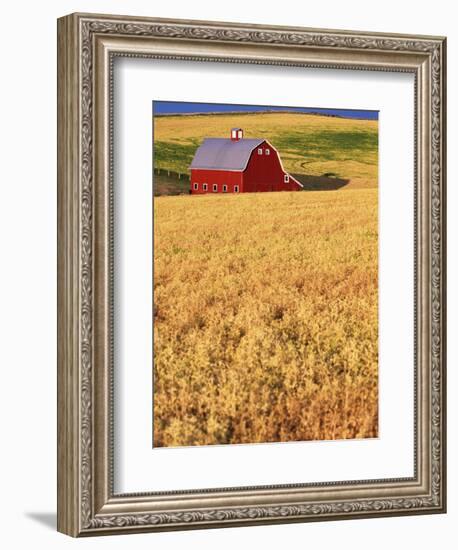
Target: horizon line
194,108
259,112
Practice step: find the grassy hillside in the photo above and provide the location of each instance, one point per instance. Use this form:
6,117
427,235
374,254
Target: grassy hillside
309,145
268,333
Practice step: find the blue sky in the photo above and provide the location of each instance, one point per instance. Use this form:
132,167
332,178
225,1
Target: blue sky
174,107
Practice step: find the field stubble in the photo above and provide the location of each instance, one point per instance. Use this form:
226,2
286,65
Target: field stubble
265,317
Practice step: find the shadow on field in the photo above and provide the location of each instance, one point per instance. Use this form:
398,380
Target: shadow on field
164,184
321,183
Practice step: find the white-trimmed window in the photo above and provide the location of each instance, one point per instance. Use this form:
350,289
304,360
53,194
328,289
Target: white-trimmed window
204,186
236,188
196,186
215,188
224,188
267,151
286,178
260,151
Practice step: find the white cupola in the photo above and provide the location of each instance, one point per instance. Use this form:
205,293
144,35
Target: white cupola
236,134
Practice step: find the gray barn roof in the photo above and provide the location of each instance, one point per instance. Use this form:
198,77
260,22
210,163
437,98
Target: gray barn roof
224,154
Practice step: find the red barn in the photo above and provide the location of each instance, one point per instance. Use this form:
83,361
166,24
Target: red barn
238,165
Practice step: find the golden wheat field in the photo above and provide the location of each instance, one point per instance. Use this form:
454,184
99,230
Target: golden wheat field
265,316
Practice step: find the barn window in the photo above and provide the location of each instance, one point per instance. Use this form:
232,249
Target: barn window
204,186
267,151
286,178
236,188
196,186
224,188
260,151
215,187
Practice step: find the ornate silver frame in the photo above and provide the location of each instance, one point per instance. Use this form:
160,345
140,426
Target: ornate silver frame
87,45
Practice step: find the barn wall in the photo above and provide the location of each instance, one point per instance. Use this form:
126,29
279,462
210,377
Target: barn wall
218,177
264,172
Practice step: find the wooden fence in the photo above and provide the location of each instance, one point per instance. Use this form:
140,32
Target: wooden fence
171,174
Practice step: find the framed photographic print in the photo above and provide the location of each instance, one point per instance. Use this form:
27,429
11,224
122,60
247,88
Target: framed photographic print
265,296
251,285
